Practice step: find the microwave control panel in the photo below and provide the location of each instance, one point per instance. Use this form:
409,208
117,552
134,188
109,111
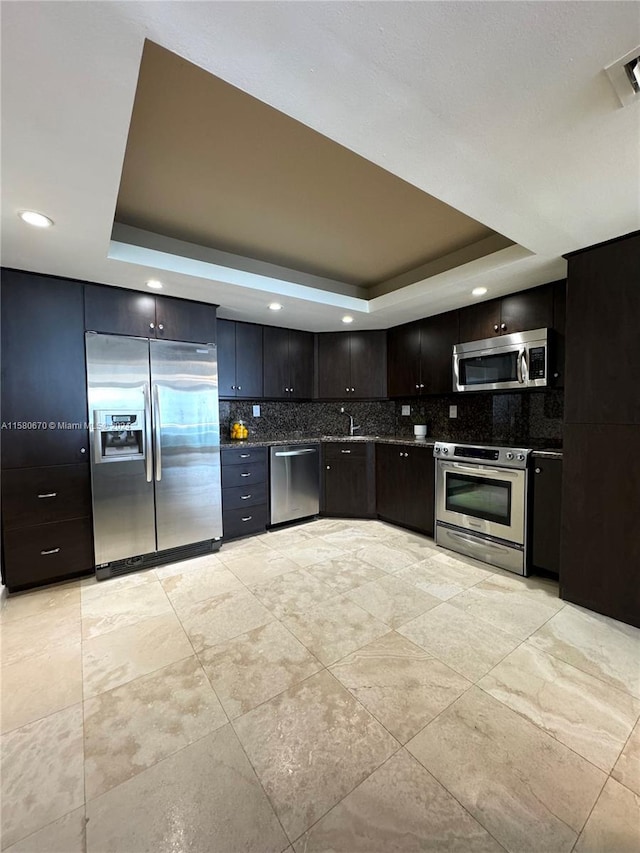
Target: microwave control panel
537,363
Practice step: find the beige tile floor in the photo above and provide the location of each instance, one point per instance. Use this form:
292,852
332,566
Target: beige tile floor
339,686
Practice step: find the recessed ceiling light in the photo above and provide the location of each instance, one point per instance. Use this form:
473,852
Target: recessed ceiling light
37,219
478,291
275,306
347,319
154,284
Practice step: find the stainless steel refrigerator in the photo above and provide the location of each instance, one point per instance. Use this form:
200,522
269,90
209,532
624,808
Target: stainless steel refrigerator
155,451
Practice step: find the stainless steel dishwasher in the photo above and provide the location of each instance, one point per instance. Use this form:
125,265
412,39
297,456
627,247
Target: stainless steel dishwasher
295,481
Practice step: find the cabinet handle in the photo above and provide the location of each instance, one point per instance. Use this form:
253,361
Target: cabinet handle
347,390
233,387
328,467
239,387
538,470
406,454
247,518
345,451
400,453
286,390
160,326
244,497
291,390
152,325
48,495
83,450
421,385
417,386
495,327
245,455
246,474
352,390
52,551
503,327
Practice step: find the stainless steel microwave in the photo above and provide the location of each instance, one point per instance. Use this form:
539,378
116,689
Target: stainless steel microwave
516,361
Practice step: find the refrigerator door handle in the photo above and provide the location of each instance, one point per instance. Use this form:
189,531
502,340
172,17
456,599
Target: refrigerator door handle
147,431
157,427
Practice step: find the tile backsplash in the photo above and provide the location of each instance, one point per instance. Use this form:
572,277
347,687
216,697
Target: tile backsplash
528,418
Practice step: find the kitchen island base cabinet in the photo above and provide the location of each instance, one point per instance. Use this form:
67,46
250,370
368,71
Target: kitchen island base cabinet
349,480
405,486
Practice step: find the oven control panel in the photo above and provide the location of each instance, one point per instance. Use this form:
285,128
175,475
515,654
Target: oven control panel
505,457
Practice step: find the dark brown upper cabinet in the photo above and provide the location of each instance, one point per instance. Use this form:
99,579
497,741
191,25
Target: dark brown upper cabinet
352,365
127,312
420,354
517,312
44,388
239,360
288,364
603,334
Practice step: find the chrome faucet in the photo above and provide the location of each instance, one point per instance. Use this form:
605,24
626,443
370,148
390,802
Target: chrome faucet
352,427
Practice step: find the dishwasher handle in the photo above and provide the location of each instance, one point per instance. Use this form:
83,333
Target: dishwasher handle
296,452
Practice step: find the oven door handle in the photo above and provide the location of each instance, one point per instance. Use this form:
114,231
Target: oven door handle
479,470
472,540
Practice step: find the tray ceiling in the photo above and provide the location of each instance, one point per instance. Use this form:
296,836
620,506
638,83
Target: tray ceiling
211,165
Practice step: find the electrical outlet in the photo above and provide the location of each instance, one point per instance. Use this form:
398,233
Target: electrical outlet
256,411
406,410
453,411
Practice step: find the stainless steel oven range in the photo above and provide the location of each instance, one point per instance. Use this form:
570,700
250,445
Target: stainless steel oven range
481,502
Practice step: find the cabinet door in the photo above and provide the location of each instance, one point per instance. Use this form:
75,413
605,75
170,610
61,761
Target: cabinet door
603,337
403,362
479,321
276,362
334,368
43,372
405,485
420,489
226,335
248,360
547,506
119,312
558,344
345,487
530,309
392,482
368,356
438,335
182,320
600,547
300,365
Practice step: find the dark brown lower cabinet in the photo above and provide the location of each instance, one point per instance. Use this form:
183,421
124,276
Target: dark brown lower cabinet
47,552
546,513
600,550
349,480
245,499
405,485
46,516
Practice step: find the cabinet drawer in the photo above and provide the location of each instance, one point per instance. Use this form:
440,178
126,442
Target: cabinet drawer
243,455
243,475
348,449
45,495
47,552
242,522
243,496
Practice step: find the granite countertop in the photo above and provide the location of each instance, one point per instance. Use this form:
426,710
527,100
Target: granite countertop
273,442
407,441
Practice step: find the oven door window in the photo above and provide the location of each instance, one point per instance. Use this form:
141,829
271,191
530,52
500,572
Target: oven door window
489,369
481,497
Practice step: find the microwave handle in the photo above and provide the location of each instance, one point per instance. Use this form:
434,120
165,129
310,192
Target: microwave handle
520,361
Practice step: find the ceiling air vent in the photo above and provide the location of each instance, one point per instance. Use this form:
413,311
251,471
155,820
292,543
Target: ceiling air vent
624,74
